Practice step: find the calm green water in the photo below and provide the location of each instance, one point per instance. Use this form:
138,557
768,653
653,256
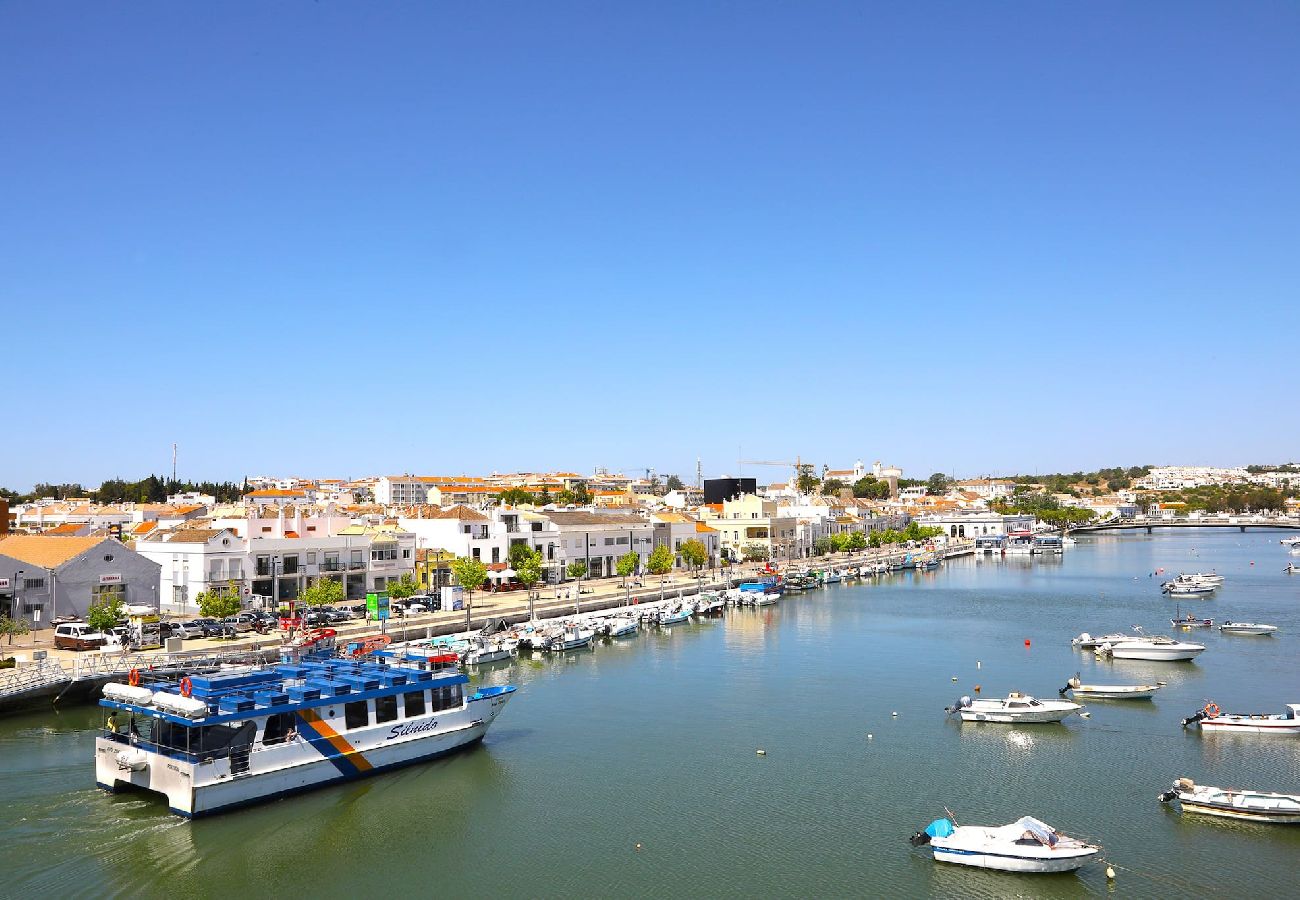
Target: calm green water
653,740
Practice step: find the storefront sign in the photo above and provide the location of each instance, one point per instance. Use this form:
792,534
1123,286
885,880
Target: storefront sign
110,579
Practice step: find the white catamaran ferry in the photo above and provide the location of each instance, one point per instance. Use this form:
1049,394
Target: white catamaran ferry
216,742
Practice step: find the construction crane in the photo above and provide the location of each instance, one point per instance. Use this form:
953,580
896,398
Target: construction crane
797,465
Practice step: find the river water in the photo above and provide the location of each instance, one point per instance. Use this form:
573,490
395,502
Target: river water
652,741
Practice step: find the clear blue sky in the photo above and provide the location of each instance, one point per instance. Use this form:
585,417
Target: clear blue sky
344,238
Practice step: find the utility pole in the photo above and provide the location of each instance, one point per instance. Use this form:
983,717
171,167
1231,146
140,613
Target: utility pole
173,462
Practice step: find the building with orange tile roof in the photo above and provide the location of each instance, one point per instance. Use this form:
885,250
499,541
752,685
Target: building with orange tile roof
43,576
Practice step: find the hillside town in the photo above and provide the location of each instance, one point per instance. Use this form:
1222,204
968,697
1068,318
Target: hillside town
285,534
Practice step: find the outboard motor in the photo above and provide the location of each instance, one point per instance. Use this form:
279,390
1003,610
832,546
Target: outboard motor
964,701
1190,720
920,839
1166,796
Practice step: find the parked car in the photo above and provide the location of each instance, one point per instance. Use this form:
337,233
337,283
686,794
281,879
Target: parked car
190,630
242,623
77,636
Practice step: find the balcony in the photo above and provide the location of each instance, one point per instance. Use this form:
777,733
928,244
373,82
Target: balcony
332,565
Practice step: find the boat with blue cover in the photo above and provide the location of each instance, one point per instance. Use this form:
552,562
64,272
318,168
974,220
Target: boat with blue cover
219,741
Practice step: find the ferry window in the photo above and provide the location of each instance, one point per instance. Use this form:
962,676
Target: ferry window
414,704
386,708
356,714
277,728
454,690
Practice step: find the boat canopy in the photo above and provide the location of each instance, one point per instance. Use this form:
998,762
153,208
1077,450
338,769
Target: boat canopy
1030,827
940,828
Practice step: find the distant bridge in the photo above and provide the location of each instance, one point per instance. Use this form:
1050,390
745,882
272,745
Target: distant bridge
1280,523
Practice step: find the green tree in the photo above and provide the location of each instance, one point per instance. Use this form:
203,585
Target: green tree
470,574
806,481
874,539
220,602
12,628
404,587
322,592
823,545
527,566
515,497
937,483
695,555
661,563
544,497
577,570
869,487
581,496
674,483
857,541
566,498
755,552
840,541
626,564
831,487
104,615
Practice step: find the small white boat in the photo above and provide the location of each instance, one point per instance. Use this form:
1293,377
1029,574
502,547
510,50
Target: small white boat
1015,707
623,627
1159,648
1191,621
483,652
1188,588
1246,628
765,599
1207,577
675,616
572,637
1086,641
1110,691
1232,803
1211,719
1026,845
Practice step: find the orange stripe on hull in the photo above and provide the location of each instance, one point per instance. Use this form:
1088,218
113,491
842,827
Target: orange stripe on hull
337,741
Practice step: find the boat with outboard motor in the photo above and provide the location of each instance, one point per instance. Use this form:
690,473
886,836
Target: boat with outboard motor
215,742
1110,691
1015,707
1086,641
1235,803
1253,628
1026,845
1211,718
1155,647
1191,621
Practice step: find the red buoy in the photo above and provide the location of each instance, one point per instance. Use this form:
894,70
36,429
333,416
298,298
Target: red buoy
1026,642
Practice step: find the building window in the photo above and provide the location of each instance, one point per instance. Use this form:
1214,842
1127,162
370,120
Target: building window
356,714
311,559
32,583
385,708
406,554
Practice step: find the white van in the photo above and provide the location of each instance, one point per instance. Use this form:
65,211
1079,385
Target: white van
77,636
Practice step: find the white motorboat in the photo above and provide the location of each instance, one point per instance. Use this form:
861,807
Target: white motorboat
1246,628
1234,803
620,627
1206,577
1015,707
1210,718
1086,641
1110,691
1158,647
765,599
1026,845
572,637
1292,542
1188,588
486,651
1191,621
675,616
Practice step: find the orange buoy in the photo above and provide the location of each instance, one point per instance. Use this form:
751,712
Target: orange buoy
1026,642
977,688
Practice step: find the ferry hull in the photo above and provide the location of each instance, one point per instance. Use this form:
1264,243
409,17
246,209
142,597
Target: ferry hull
210,786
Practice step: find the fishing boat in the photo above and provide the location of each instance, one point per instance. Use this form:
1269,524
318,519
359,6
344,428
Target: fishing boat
571,637
1191,621
1235,803
1110,691
1015,707
831,576
1026,845
216,742
1159,648
1246,628
622,627
1210,718
675,616
1048,544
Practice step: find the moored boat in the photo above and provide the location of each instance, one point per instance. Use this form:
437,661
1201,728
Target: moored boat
1110,691
1211,718
675,616
1191,621
1254,628
620,627
1158,648
1235,803
1015,707
1026,845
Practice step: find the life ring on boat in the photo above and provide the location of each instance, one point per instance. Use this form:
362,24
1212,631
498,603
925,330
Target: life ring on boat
133,679
187,686
1212,710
